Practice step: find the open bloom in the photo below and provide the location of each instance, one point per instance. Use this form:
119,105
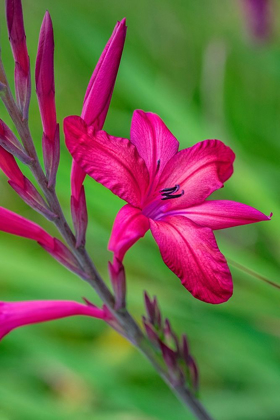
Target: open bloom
166,191
18,314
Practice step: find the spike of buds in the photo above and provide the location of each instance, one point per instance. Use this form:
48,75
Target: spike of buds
17,225
181,366
95,107
18,44
117,276
44,77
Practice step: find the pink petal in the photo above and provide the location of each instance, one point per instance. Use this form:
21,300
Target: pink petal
10,168
44,76
18,314
129,226
154,142
223,214
112,161
198,170
191,252
101,84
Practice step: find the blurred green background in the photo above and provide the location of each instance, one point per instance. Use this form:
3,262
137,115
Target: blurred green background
196,65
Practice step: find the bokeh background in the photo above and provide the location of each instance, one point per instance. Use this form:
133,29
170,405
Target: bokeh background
198,65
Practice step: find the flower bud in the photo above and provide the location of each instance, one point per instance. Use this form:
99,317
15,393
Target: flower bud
18,44
17,225
18,314
95,107
11,144
80,217
117,276
44,77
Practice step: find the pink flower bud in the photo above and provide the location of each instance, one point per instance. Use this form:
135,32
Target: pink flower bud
80,217
152,335
44,77
32,198
96,103
18,314
10,143
117,276
18,43
17,225
101,85
10,168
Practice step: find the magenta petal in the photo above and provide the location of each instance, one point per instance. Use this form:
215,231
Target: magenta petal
223,214
112,161
199,171
129,226
18,314
191,252
101,85
154,142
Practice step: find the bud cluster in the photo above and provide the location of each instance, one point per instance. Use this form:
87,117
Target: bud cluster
175,351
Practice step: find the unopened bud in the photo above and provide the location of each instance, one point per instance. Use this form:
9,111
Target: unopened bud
80,217
117,276
10,143
18,44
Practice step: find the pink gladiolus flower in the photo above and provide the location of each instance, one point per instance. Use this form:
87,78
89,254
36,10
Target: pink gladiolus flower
44,76
96,103
17,225
18,43
18,314
166,191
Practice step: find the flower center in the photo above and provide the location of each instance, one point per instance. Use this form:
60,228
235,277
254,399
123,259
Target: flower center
168,193
155,209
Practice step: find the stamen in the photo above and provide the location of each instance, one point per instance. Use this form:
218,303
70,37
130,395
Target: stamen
170,190
167,197
167,192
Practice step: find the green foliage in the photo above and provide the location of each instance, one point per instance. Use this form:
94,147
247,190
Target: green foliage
193,63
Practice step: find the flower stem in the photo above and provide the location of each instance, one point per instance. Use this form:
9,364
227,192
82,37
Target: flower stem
130,328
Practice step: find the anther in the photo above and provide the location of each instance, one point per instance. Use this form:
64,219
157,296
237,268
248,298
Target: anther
170,190
167,197
167,192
